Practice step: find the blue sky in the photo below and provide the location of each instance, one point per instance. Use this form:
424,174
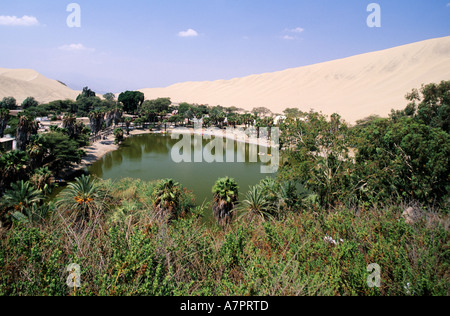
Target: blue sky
141,44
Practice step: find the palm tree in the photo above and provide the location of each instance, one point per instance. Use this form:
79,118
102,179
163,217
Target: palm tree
269,122
96,119
25,129
119,135
35,213
4,118
36,151
127,124
256,204
13,166
21,196
280,196
167,197
117,115
189,114
271,191
226,195
83,198
69,122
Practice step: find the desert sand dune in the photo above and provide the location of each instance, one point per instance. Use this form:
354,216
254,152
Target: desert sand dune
22,83
354,87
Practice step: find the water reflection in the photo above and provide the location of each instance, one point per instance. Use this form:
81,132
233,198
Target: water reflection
148,157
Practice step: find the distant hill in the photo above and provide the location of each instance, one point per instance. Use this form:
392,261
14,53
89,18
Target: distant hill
22,83
354,87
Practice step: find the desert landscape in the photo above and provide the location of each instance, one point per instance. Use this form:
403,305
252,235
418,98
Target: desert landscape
355,87
202,150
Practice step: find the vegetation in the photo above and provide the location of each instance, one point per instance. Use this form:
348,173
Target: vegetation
4,118
131,100
129,251
82,200
397,159
167,196
29,102
118,135
337,205
8,103
226,195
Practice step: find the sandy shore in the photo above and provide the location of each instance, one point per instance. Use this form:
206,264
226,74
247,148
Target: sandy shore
99,149
236,135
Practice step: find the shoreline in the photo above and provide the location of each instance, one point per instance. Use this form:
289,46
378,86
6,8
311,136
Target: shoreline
98,150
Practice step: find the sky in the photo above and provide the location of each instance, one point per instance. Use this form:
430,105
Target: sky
128,45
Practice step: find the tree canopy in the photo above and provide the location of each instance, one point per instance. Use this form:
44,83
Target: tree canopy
8,103
131,100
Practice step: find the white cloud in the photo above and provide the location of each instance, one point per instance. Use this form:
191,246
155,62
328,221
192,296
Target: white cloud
15,21
188,33
296,30
75,48
288,37
448,5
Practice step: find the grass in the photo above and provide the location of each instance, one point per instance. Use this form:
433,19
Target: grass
127,250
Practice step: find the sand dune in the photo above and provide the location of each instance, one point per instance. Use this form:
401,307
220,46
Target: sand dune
22,83
354,87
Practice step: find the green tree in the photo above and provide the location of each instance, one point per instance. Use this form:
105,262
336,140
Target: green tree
431,105
255,204
82,199
293,112
131,100
128,124
84,105
405,160
110,96
13,166
161,105
117,115
118,135
317,154
21,197
176,119
36,151
226,196
86,93
183,108
261,112
8,103
4,118
96,120
167,199
61,151
29,102
26,128
41,179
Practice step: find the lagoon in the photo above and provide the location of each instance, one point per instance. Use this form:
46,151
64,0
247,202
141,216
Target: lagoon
148,157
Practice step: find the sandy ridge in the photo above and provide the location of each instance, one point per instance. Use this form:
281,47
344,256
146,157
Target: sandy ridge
355,87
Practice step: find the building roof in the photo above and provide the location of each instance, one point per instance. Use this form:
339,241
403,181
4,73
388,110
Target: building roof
6,139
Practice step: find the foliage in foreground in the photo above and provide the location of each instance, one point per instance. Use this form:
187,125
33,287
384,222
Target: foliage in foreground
128,250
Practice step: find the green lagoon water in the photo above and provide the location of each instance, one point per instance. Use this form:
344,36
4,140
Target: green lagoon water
148,157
